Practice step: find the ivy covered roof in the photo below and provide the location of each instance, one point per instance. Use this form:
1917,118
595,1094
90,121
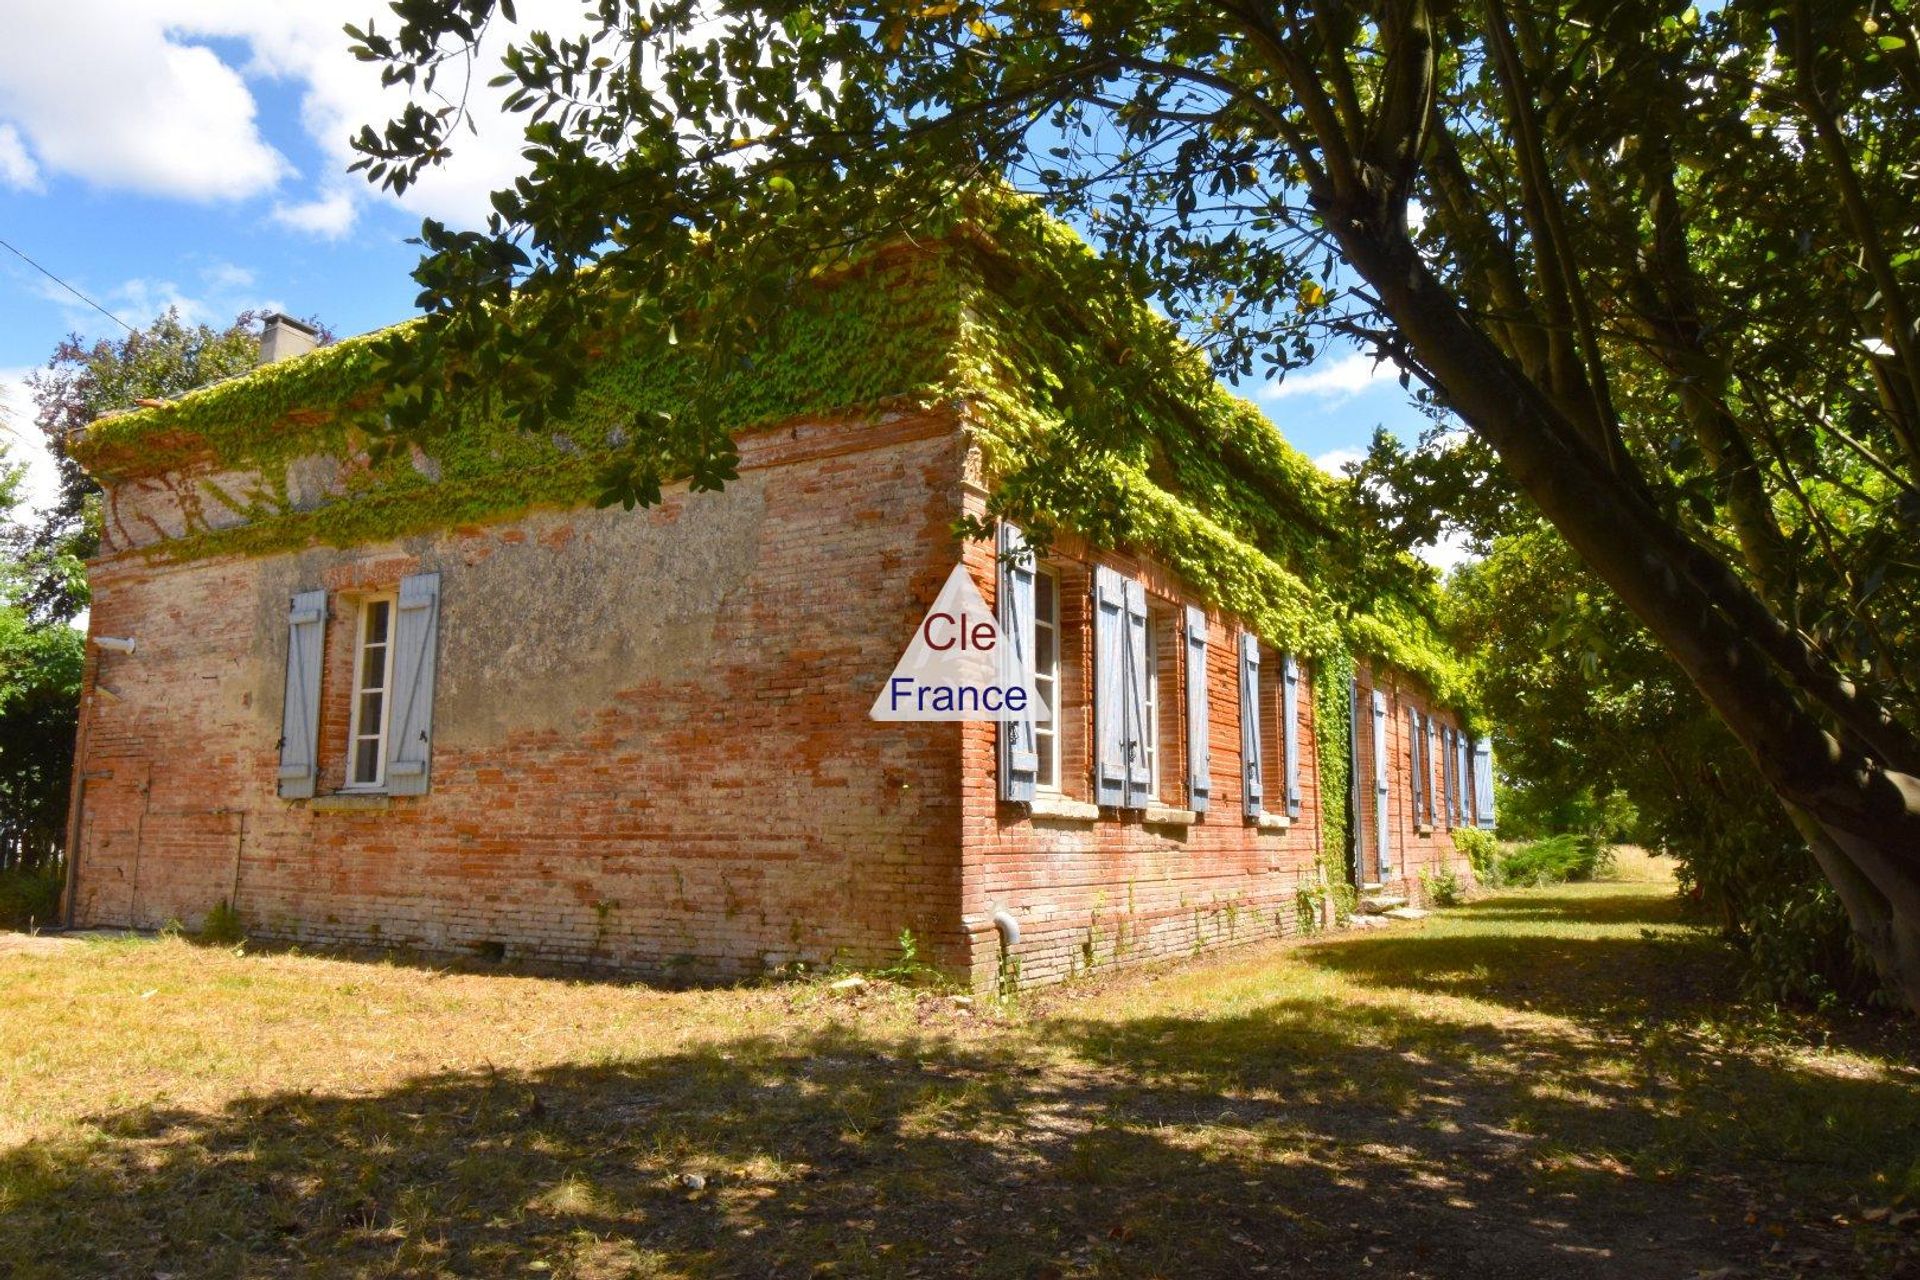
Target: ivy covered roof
1091,413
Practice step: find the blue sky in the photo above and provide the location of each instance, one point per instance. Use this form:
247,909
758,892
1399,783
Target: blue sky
198,158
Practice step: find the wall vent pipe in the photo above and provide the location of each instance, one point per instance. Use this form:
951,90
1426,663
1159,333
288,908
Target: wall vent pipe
1009,927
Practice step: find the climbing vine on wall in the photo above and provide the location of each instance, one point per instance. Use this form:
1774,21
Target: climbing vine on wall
1089,411
1333,739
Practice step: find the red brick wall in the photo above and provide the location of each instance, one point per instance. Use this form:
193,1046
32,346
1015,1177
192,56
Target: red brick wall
651,746
1122,888
1417,849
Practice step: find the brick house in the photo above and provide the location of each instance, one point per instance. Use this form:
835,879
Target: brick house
434,698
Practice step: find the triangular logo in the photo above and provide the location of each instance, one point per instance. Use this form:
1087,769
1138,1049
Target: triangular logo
958,666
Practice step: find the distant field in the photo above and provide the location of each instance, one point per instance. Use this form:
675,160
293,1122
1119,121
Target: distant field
1555,1082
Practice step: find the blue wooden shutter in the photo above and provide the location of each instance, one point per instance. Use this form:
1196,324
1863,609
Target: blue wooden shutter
1418,783
1290,727
1019,755
1199,784
300,710
1109,675
1455,796
1452,783
1382,841
1462,764
1426,755
1250,764
1140,765
1483,782
416,631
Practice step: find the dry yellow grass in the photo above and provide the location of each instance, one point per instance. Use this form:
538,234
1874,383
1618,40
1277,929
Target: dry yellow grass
1552,1081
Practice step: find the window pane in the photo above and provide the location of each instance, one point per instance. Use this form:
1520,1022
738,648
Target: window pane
370,708
373,666
366,760
1043,598
377,621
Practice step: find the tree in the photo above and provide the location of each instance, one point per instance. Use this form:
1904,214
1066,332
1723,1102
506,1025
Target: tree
1587,231
1585,705
81,381
39,704
43,559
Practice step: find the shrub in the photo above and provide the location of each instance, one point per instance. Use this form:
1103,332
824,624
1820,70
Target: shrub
1443,888
1482,853
29,898
1571,856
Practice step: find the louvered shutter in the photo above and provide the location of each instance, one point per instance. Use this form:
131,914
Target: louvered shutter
1250,764
1290,722
1483,782
1426,755
1140,762
1418,783
1199,783
300,710
1382,841
416,633
1109,676
1019,754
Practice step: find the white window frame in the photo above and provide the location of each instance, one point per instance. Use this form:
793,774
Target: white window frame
355,736
1046,681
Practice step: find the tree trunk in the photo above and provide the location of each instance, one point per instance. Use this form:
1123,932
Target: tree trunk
1861,815
1892,939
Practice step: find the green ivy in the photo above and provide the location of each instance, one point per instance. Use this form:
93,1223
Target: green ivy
1333,738
1090,413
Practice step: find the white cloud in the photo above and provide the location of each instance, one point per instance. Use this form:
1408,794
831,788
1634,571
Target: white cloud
304,43
118,93
1343,379
1445,555
17,169
1334,461
227,275
138,301
23,442
225,290
103,92
329,215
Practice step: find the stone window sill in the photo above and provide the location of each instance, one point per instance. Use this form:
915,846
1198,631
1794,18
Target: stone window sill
1423,831
1062,809
350,802
1160,815
1273,822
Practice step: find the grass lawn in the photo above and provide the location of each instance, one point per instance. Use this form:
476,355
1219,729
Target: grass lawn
1547,1082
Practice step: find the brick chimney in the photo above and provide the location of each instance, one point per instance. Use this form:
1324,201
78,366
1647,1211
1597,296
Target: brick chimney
283,337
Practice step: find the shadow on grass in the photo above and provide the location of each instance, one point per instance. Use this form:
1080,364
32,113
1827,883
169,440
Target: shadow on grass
1513,950
1588,906
1290,1137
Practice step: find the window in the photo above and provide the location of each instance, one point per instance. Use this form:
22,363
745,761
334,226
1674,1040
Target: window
372,680
1046,674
